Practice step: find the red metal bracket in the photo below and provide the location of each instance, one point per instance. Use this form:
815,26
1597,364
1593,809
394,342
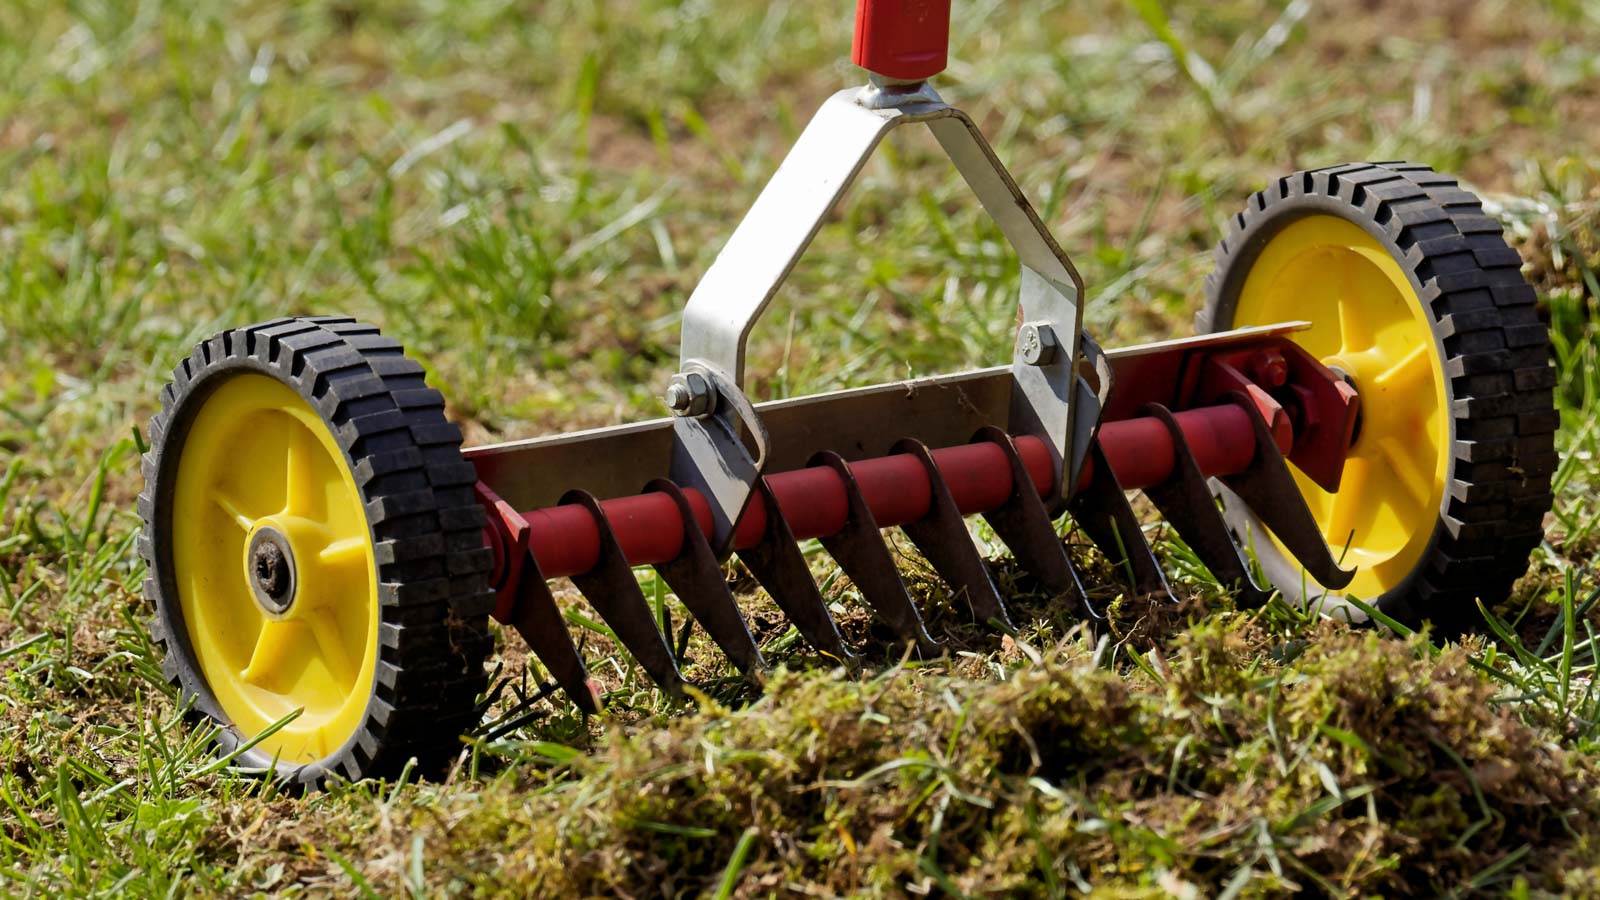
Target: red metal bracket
507,535
1222,376
1299,398
908,40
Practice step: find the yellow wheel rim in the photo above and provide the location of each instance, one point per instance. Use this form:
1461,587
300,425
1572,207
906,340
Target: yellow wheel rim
1367,321
259,466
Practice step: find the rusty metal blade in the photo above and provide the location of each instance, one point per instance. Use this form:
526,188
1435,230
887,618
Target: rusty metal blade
537,618
1101,509
696,577
861,552
1187,503
1270,491
781,568
943,539
1025,527
614,593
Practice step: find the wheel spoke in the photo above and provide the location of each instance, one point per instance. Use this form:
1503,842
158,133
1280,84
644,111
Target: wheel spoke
1410,373
330,643
304,496
1412,478
316,743
345,552
231,506
226,611
278,643
1355,334
1346,506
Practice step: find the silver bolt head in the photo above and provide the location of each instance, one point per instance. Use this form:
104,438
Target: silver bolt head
1036,344
690,394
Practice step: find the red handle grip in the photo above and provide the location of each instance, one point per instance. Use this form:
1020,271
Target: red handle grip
903,39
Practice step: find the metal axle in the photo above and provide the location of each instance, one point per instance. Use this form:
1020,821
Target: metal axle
566,541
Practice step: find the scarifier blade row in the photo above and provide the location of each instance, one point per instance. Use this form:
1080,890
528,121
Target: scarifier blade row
1021,521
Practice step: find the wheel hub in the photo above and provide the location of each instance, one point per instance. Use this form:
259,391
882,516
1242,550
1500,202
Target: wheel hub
270,570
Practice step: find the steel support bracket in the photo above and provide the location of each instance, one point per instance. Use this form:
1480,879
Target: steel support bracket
710,454
781,224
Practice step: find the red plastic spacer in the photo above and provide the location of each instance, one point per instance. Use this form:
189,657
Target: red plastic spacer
908,40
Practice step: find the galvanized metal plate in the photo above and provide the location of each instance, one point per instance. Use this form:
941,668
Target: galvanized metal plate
857,423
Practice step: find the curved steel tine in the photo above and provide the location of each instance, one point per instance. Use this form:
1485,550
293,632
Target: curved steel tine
1186,501
1270,491
1101,509
781,568
861,552
696,577
536,617
614,593
1024,525
943,539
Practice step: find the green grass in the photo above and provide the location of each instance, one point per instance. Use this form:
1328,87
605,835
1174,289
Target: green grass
525,193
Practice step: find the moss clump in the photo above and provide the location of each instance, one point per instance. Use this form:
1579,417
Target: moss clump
1366,766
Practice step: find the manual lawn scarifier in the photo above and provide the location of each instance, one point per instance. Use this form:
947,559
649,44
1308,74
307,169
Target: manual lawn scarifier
1368,409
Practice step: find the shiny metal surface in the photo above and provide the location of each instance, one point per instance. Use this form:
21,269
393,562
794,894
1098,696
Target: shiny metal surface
710,453
1045,398
856,423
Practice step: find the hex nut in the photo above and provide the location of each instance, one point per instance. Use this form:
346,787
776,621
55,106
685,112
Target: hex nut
690,394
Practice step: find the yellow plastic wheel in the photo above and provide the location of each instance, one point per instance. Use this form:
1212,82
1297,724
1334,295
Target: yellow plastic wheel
1366,322
1414,296
316,558
278,583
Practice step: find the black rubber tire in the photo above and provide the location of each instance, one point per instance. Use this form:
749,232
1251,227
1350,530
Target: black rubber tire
1496,353
425,525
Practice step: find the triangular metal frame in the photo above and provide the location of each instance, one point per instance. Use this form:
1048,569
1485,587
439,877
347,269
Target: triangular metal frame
1048,396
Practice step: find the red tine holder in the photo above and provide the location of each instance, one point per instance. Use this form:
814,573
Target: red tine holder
907,40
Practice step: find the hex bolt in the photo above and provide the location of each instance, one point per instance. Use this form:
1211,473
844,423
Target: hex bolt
690,394
1270,368
678,397
1349,379
1036,343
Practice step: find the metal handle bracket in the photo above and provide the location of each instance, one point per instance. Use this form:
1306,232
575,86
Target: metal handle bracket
781,224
